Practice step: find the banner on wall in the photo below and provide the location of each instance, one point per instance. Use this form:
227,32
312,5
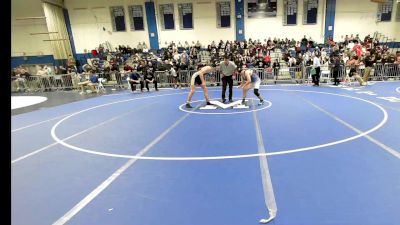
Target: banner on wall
261,8
290,12
385,11
310,11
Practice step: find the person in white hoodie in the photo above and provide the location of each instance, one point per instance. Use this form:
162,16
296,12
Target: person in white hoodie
43,74
316,65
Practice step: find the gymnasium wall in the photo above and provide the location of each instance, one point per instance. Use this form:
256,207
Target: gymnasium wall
351,17
204,24
273,26
21,40
91,24
359,17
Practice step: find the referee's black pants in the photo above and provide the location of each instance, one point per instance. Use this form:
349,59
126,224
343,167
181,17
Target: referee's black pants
227,80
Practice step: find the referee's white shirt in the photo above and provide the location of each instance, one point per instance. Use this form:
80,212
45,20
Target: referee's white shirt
227,70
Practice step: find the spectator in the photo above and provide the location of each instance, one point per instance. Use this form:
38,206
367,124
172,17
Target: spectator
267,59
134,79
139,46
397,57
369,63
127,67
335,69
149,77
62,69
198,45
43,73
71,61
316,66
186,45
90,79
22,76
357,48
172,72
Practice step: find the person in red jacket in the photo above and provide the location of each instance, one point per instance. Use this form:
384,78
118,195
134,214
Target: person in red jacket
267,60
357,48
94,52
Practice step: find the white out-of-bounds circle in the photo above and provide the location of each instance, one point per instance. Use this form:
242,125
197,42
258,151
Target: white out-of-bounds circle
398,90
266,105
384,120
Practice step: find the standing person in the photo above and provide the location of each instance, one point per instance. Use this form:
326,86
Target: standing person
250,79
276,66
198,79
227,69
336,67
170,71
43,75
369,63
71,63
175,77
316,66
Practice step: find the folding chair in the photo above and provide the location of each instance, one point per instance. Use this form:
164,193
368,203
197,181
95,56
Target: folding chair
100,86
326,75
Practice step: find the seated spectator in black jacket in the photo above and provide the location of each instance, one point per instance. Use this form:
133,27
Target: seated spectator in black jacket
114,67
260,63
134,79
149,77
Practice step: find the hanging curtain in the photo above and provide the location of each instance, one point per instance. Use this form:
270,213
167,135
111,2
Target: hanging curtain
56,23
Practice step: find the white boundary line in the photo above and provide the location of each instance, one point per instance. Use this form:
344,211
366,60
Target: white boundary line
384,120
85,201
213,89
398,90
269,195
129,92
76,134
81,132
383,146
35,124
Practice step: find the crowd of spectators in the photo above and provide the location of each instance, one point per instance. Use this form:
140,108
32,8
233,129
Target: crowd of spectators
173,58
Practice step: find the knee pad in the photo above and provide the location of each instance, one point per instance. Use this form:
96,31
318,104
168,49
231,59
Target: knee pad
256,92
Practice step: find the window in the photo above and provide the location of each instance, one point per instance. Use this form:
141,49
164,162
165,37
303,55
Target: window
289,12
398,12
223,14
118,18
167,16
385,11
185,16
136,17
310,11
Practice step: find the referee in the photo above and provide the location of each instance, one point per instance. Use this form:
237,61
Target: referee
227,68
